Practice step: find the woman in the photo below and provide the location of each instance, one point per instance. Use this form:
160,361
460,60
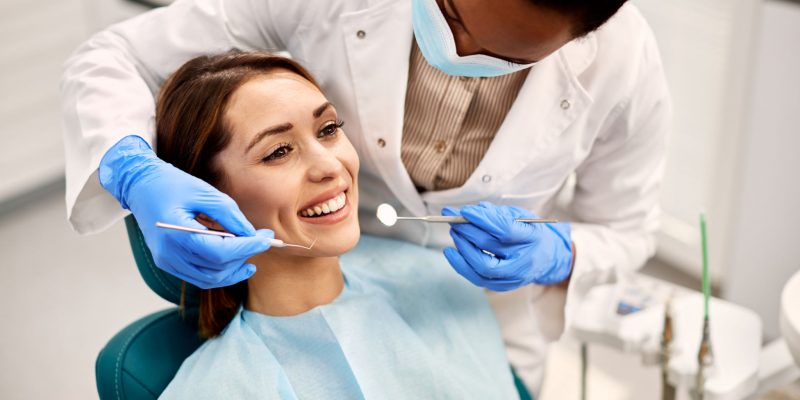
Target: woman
387,323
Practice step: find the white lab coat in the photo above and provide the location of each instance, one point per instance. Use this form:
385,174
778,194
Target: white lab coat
597,110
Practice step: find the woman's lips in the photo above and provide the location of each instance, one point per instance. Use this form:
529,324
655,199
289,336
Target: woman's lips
330,218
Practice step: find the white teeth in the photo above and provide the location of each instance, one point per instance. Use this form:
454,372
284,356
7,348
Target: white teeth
333,204
326,207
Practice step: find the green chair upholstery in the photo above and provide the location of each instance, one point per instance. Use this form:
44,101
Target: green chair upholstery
139,362
164,284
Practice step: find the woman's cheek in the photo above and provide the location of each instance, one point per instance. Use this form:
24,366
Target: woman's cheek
259,202
349,157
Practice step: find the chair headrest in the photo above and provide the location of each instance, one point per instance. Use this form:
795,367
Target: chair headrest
164,284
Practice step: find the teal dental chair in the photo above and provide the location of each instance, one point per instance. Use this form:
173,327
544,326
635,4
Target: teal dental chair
139,362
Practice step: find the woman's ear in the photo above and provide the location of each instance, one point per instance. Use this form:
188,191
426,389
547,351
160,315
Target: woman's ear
209,223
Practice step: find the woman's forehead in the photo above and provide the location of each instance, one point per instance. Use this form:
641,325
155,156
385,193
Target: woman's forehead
271,101
282,92
275,83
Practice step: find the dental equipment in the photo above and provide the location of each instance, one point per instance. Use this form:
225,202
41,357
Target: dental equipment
737,336
705,354
388,216
667,390
274,242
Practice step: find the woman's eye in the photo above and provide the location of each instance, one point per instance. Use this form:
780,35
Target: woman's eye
330,129
279,153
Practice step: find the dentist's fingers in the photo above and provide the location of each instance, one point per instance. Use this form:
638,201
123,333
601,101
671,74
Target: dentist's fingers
245,272
451,212
492,220
487,266
199,281
499,222
482,263
222,208
483,240
208,279
222,250
461,266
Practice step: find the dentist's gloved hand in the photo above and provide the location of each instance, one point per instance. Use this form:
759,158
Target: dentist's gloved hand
523,253
154,190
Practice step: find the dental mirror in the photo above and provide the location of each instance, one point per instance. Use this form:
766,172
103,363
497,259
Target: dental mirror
388,216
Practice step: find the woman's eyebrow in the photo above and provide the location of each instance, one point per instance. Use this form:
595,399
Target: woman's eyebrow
273,130
322,109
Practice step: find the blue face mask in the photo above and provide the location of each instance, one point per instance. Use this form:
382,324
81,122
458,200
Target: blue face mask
437,44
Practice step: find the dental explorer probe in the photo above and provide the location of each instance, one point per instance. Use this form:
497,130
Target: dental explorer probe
273,242
388,216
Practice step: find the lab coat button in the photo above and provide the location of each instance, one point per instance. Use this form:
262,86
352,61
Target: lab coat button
361,34
381,143
486,178
440,146
565,104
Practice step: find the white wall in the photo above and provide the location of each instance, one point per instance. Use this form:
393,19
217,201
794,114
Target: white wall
34,41
705,46
733,67
36,37
765,246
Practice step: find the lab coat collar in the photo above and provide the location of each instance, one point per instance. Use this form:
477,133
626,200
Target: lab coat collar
579,53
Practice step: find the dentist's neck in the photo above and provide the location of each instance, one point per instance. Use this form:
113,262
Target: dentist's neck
284,286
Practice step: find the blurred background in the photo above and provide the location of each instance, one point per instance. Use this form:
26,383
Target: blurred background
733,67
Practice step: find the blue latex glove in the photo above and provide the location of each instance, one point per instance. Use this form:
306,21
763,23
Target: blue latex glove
154,190
523,253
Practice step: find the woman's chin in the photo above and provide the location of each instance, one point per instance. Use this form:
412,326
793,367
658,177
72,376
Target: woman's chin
335,245
326,243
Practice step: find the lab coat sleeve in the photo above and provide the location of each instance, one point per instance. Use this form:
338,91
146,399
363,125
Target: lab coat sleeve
109,83
616,200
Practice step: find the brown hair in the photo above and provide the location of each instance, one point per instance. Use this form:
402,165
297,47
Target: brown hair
191,131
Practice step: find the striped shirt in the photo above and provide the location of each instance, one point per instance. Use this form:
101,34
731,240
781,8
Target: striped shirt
450,122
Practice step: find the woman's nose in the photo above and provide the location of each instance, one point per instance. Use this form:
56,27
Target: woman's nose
323,165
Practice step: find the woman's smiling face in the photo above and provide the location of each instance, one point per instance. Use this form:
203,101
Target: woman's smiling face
289,166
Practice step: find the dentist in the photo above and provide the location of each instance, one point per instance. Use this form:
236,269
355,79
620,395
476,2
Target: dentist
518,106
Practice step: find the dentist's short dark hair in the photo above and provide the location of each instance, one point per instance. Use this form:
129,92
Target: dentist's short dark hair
587,15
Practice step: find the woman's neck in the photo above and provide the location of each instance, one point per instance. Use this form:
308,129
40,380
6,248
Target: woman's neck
290,285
